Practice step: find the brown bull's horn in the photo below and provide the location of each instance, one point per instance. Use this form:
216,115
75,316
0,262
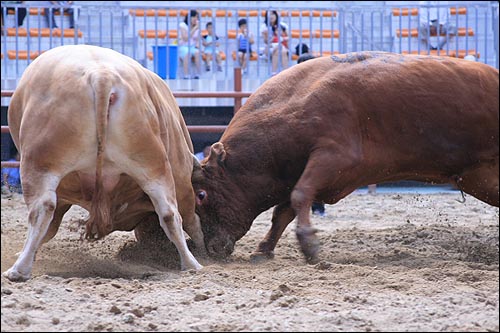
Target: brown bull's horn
217,153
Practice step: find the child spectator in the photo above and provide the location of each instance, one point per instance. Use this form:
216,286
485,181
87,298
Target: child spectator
211,44
245,41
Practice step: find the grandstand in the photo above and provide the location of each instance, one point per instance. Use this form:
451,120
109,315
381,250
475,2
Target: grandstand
328,27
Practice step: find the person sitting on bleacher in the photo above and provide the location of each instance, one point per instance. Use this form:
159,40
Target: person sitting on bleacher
245,41
20,12
189,42
211,44
278,32
49,13
434,22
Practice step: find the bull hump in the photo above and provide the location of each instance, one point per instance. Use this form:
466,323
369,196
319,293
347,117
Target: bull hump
356,57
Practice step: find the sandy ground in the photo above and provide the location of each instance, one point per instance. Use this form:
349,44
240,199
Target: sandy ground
390,262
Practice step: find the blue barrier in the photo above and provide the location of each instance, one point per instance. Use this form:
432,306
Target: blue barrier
160,60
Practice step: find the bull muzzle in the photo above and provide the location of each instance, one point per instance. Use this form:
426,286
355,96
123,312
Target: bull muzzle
220,248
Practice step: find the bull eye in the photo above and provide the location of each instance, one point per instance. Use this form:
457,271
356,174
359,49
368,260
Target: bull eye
200,196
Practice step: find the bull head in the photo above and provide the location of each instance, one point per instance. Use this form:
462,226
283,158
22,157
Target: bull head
217,196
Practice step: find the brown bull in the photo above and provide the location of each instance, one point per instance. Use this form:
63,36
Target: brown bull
326,127
96,129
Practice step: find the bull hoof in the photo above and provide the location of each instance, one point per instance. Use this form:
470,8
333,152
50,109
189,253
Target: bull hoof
258,257
194,266
15,276
309,244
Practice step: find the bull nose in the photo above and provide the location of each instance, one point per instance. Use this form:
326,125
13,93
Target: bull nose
220,249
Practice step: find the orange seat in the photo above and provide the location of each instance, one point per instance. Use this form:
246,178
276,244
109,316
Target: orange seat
157,34
296,33
36,11
452,53
414,11
148,12
414,32
326,33
20,32
307,13
459,10
404,11
152,33
231,34
221,53
43,32
159,12
67,33
218,13
253,56
23,55
251,13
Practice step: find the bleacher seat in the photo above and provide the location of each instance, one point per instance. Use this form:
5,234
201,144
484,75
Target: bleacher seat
325,33
22,54
251,13
218,13
450,53
414,11
309,13
253,56
414,32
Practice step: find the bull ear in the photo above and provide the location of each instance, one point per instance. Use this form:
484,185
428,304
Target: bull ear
197,172
217,154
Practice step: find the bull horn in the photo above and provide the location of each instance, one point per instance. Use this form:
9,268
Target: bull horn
217,153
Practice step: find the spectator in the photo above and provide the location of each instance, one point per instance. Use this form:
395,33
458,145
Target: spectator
302,50
434,22
66,5
20,12
189,42
11,177
211,44
275,37
245,41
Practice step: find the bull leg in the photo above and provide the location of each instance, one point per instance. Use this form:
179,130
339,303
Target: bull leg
324,169
41,199
283,214
61,209
171,222
149,233
192,226
191,221
482,183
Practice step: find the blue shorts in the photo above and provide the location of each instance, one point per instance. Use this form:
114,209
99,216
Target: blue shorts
183,50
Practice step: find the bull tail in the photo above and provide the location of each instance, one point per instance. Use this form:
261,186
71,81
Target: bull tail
99,223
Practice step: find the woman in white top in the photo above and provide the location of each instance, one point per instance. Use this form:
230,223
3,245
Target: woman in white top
189,42
271,32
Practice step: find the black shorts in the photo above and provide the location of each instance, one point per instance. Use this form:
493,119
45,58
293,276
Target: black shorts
245,51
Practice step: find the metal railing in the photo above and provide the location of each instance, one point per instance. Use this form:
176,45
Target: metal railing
326,30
